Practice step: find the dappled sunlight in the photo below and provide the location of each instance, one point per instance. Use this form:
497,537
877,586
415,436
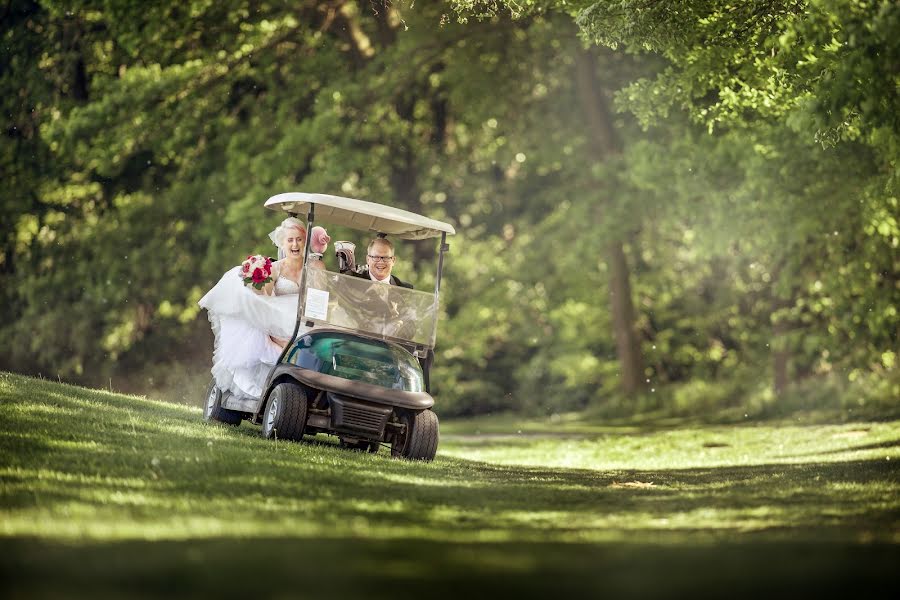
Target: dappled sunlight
513,425
441,482
88,445
684,448
108,471
54,411
660,242
27,475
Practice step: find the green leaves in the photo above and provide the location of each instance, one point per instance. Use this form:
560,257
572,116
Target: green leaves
752,179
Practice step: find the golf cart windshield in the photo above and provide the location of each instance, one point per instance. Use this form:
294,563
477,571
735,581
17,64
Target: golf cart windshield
385,311
330,299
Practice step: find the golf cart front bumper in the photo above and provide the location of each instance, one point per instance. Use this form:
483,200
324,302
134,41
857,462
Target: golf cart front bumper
354,389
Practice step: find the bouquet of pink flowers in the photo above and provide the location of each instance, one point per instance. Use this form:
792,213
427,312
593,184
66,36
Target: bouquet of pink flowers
256,271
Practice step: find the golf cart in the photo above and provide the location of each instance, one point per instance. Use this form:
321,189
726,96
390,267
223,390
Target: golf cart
357,365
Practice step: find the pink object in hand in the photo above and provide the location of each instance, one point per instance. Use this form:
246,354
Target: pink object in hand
319,241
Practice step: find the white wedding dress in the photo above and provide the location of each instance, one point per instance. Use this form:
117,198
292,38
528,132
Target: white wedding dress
242,322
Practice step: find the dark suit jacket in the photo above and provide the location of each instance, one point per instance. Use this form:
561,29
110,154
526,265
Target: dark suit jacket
429,357
394,280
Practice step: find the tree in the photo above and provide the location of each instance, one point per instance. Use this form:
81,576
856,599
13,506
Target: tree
718,177
769,72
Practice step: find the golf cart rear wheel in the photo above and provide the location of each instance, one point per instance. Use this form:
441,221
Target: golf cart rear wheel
419,439
285,415
212,407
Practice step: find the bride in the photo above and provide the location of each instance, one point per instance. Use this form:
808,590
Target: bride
252,326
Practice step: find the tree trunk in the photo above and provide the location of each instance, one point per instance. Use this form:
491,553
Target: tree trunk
781,353
405,168
782,325
780,360
405,183
604,145
628,346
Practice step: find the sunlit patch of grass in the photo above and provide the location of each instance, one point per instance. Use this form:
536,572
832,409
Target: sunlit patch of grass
687,447
89,468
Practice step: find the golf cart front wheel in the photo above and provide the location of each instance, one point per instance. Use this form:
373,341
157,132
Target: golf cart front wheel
419,438
285,416
212,407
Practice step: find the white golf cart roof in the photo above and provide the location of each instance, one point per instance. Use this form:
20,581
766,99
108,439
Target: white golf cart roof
360,214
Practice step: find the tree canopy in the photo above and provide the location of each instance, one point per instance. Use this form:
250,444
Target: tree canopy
661,205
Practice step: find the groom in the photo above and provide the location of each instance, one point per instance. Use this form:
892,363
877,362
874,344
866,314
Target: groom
380,259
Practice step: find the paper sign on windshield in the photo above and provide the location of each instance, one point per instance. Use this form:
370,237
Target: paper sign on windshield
316,304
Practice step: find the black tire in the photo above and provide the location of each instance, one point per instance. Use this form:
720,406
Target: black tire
362,446
419,441
285,414
212,407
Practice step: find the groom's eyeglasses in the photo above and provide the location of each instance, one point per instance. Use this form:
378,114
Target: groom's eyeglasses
383,259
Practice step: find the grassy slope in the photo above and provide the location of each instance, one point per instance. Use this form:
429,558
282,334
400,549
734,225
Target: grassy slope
103,494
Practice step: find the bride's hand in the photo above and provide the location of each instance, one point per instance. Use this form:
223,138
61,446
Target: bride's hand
266,290
280,342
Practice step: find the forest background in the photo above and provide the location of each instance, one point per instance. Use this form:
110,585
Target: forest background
678,208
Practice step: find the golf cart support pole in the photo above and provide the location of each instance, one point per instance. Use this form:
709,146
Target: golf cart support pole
437,281
444,247
301,298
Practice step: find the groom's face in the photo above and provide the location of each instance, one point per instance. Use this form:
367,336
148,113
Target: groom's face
380,260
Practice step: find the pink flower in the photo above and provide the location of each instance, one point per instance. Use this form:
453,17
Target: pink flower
258,276
319,240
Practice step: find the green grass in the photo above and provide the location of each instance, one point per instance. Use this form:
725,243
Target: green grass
104,495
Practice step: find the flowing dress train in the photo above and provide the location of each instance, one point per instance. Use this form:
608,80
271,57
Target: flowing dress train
242,322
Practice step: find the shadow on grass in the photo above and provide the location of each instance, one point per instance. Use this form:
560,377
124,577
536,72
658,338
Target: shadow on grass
241,474
857,448
133,458
346,568
592,422
268,519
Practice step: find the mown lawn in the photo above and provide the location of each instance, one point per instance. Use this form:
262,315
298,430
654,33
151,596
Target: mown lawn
105,495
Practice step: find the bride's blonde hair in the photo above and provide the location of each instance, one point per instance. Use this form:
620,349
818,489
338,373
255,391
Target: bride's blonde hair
279,234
